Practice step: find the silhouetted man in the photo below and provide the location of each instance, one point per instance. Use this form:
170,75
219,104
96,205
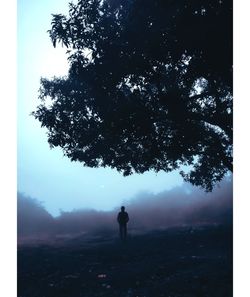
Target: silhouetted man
123,219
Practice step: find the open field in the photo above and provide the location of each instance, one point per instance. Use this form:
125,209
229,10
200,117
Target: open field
176,262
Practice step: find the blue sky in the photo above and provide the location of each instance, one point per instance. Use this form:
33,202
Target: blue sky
43,173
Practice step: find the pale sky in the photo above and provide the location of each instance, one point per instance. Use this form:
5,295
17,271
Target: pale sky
46,174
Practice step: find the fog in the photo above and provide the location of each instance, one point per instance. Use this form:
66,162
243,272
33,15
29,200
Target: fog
183,205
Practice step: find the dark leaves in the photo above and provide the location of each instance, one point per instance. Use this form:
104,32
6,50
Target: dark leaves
149,87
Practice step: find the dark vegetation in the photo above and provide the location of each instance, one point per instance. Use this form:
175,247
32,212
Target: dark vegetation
149,87
177,262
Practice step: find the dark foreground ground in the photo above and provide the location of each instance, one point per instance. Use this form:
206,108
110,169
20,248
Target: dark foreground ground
186,262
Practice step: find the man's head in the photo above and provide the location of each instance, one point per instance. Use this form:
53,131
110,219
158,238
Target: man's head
122,208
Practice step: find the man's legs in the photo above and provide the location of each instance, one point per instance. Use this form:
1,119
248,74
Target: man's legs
123,231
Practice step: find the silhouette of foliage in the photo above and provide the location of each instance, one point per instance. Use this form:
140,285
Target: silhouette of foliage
149,87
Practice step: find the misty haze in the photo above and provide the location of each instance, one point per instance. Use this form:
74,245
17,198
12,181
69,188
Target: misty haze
184,205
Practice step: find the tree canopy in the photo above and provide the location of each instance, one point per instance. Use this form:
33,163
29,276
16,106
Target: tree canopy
149,87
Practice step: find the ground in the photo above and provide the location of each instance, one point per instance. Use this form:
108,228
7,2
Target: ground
176,262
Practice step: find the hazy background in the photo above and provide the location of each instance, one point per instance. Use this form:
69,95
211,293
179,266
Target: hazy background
181,206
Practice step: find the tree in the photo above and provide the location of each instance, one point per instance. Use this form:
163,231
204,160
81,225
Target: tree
149,87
